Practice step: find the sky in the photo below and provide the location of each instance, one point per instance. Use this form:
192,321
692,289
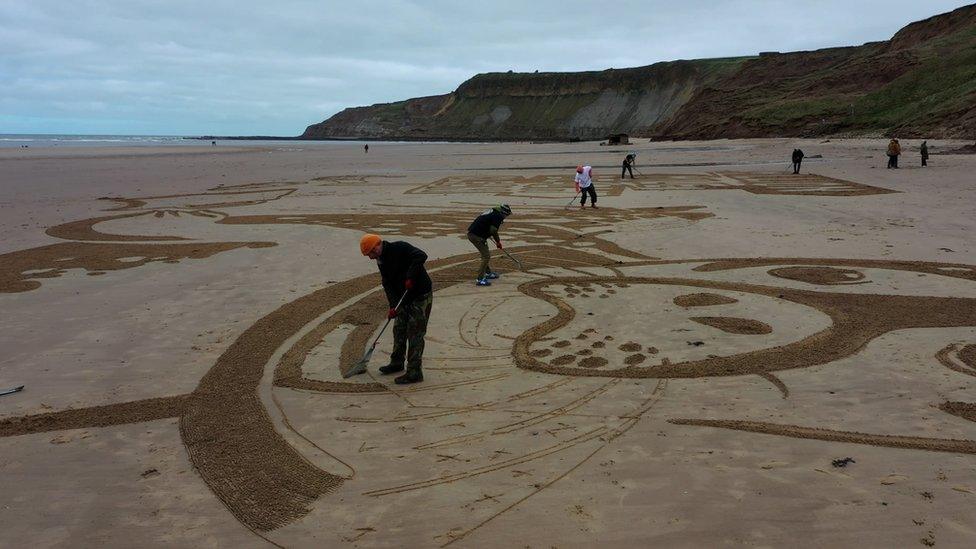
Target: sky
175,67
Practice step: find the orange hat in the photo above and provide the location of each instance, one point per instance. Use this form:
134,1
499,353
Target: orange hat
368,242
579,169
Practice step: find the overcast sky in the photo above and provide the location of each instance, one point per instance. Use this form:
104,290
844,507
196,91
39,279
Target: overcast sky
174,67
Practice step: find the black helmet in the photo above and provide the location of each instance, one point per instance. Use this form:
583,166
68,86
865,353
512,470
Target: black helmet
505,209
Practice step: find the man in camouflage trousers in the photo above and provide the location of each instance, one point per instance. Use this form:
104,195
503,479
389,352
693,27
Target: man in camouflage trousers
402,269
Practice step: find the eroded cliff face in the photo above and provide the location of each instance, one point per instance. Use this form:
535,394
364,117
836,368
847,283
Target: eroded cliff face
507,106
921,83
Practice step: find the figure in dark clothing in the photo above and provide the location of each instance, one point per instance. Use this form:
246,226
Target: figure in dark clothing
366,148
925,153
894,149
628,166
797,160
402,269
483,227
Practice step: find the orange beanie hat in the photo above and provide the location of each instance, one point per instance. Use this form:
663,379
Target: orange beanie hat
368,242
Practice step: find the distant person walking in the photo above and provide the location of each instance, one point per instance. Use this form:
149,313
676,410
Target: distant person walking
797,160
628,166
213,143
483,227
366,148
584,184
894,149
924,149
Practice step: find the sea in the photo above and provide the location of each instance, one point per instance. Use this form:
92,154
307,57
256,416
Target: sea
53,140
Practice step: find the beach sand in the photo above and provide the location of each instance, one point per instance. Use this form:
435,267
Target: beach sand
679,367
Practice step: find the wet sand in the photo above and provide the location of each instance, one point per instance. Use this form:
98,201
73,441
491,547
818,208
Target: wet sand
680,366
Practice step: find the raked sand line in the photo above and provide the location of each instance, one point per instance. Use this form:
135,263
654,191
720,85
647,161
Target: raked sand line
890,441
107,415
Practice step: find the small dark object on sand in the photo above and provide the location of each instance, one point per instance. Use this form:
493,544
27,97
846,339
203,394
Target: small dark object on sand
842,462
11,391
696,343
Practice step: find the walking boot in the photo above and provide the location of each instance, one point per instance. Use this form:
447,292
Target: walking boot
492,275
482,282
391,369
412,376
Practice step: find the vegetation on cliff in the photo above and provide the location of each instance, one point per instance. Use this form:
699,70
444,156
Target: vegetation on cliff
921,83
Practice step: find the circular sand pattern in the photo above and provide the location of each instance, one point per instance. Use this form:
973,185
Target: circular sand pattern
630,347
598,345
703,300
539,353
635,359
563,360
733,325
561,343
593,362
821,276
584,352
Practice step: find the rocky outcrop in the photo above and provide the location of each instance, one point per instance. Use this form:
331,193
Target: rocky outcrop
921,83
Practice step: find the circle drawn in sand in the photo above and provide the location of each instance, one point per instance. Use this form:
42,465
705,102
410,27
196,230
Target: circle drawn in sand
563,360
634,359
733,325
538,353
593,362
630,347
598,345
584,352
703,300
561,343
822,276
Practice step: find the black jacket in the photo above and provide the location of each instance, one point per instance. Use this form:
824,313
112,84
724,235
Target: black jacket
482,225
398,262
797,155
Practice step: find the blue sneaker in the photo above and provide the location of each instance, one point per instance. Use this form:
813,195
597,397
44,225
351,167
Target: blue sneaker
492,276
482,282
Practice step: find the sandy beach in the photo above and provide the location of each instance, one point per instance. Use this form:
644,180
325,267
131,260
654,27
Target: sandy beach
689,365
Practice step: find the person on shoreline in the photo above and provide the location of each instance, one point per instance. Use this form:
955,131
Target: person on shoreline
628,165
797,160
894,149
483,227
584,184
401,267
366,148
924,150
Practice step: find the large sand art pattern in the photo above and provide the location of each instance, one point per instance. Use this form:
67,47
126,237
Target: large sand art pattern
548,373
553,186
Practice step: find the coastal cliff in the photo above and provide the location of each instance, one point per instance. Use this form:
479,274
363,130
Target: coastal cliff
920,83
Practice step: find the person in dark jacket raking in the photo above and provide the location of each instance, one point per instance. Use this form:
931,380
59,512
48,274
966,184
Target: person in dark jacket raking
402,269
797,160
483,227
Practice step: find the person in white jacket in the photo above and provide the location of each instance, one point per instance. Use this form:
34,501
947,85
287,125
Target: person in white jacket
584,184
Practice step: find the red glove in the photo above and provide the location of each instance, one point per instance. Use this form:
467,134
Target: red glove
392,313
408,284
577,188
499,244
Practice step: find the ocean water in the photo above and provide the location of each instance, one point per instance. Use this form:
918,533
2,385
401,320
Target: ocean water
51,140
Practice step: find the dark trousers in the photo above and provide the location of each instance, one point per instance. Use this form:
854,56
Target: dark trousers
591,190
892,160
409,330
925,160
626,168
796,166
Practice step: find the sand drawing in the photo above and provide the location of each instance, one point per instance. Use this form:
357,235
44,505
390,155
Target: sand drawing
551,186
559,346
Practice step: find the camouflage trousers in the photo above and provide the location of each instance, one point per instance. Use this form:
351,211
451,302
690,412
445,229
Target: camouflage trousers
409,329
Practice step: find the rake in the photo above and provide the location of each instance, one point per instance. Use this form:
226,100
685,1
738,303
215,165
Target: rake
360,366
512,257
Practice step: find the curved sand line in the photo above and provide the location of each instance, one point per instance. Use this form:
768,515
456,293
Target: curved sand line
890,441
